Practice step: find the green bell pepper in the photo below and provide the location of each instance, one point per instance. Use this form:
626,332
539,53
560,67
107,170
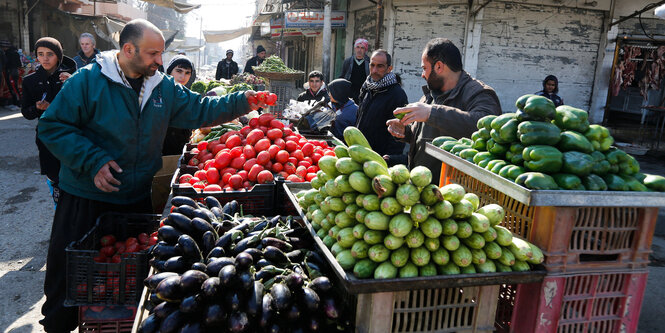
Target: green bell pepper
572,119
542,158
568,182
594,182
615,183
468,154
600,165
599,137
615,157
540,107
501,120
521,116
496,148
536,181
629,166
479,144
538,133
577,163
511,171
484,155
448,145
634,184
574,141
514,153
485,122
507,133
520,102
655,182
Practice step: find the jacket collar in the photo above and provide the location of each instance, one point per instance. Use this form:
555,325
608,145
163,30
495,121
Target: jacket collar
108,61
463,79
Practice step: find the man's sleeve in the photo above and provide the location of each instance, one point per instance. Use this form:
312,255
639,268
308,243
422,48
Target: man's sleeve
345,67
28,108
192,110
218,73
461,123
235,69
60,129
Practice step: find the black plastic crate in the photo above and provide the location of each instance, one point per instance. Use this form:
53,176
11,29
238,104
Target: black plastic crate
106,319
94,283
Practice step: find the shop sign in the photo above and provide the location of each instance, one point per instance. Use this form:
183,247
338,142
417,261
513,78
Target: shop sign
313,19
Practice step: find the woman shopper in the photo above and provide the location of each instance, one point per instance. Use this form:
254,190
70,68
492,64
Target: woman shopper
39,90
550,90
345,108
182,70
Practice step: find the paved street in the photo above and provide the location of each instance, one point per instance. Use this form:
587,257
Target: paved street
27,211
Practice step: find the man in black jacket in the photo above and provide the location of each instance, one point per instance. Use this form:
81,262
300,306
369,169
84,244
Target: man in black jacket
380,95
316,91
356,67
88,50
255,60
226,68
11,67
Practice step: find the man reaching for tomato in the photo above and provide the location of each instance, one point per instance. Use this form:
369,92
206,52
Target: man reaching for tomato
107,128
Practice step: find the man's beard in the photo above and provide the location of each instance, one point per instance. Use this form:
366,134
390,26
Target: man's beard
434,82
142,69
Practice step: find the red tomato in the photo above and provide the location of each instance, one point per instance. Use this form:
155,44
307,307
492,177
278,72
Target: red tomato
194,180
249,164
273,151
274,133
235,181
228,170
254,122
328,152
279,142
247,184
288,131
218,148
199,185
312,169
293,138
301,171
282,156
298,154
316,157
226,136
107,240
208,164
277,167
184,178
293,160
99,259
235,152
143,238
290,168
254,136
294,178
195,151
108,251
308,159
212,174
276,124
233,141
248,151
310,176
268,166
264,129
243,174
133,247
282,174
222,160
304,163
206,157
264,177
263,157
245,131
308,149
264,119
201,146
253,172
212,188
238,162
201,175
193,161
225,177
262,145
271,99
116,259
153,240
291,146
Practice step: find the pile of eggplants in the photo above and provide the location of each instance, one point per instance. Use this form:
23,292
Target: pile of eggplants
218,271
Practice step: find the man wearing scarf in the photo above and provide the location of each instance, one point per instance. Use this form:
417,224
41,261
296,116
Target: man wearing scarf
380,95
356,67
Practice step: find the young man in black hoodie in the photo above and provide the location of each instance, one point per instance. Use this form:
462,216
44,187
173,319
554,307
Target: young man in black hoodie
39,89
255,60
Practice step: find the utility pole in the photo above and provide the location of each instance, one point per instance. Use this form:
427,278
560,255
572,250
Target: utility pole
379,23
327,34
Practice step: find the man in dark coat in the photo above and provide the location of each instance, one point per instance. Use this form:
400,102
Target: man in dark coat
226,68
380,95
88,50
255,60
356,67
11,67
39,90
316,90
452,104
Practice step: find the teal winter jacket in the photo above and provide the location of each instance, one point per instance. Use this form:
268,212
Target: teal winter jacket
96,118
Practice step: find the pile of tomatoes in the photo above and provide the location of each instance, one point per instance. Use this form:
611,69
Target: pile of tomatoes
111,250
263,149
263,97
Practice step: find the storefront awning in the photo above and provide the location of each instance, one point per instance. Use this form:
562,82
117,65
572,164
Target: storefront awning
180,7
217,36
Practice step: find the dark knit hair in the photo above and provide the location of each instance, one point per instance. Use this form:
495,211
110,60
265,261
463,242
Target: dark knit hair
315,74
52,44
389,59
442,49
556,83
133,32
181,61
340,90
260,49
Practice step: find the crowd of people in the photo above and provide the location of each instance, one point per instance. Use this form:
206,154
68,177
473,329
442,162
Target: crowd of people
97,156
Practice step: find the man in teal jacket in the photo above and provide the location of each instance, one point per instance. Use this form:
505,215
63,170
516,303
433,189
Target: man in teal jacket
107,127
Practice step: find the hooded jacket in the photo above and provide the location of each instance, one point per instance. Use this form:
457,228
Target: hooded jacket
81,60
35,86
226,70
455,114
180,58
176,138
96,118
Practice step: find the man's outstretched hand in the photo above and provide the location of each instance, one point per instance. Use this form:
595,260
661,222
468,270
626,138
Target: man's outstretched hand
418,111
254,102
396,128
104,179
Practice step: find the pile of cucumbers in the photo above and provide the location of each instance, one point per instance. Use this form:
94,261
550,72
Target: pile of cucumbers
216,271
545,148
384,222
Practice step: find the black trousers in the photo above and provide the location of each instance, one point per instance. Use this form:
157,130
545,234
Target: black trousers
74,217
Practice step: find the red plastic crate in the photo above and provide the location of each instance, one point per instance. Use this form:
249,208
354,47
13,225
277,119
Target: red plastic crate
112,319
573,239
587,302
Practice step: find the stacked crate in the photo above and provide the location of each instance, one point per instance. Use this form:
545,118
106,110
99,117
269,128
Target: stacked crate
596,253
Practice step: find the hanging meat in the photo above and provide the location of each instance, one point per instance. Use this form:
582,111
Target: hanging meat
630,66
